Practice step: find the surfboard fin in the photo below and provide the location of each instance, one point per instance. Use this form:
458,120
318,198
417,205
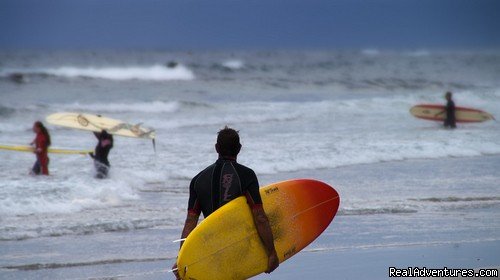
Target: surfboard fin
178,240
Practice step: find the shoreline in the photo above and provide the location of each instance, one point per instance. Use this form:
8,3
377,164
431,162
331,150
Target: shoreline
374,263
349,263
357,245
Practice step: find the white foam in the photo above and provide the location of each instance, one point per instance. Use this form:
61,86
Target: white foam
153,72
391,135
306,123
57,194
233,64
141,107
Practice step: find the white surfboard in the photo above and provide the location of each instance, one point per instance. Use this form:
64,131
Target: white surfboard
97,123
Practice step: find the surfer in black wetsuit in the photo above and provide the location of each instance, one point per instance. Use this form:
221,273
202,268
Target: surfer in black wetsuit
100,156
450,121
224,181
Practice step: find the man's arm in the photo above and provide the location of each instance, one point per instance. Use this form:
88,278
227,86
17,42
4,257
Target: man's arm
189,225
266,235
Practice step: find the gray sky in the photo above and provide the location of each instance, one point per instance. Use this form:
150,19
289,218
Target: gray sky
249,24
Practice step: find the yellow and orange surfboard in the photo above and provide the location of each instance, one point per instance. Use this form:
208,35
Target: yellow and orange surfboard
226,244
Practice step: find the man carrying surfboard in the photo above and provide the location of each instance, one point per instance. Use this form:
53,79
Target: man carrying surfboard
41,143
450,112
222,182
450,119
102,149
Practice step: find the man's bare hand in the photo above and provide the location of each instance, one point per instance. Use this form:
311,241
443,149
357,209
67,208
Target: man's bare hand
175,272
272,262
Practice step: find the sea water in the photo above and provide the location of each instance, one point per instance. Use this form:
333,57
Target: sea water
317,114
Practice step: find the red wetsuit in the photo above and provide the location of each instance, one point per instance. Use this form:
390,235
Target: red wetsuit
41,148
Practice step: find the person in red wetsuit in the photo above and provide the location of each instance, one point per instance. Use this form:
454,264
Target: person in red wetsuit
41,143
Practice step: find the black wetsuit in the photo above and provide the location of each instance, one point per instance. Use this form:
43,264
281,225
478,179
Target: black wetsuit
220,183
101,162
450,121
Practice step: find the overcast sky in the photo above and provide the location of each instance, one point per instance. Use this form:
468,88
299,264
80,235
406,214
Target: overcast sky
249,24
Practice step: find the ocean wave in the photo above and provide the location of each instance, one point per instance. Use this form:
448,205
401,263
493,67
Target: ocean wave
151,73
23,233
396,245
223,67
453,203
112,107
470,206
289,70
146,107
233,64
394,134
38,266
221,121
375,211
63,195
458,199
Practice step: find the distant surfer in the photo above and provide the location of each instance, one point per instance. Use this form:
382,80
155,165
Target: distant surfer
100,155
17,78
449,110
41,143
222,182
450,120
172,64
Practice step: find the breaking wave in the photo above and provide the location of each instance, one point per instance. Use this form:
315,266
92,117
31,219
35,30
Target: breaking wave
458,199
151,73
375,211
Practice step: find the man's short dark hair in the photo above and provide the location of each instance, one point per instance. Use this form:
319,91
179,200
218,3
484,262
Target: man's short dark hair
228,142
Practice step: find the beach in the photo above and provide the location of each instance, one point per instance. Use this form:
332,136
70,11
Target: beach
412,193
354,246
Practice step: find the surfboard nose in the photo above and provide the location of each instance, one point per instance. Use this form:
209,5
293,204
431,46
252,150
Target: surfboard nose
318,204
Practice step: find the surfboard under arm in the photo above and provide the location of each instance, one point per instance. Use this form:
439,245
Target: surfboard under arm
25,148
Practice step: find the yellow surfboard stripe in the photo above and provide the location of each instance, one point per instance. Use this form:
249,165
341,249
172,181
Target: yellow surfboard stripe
25,148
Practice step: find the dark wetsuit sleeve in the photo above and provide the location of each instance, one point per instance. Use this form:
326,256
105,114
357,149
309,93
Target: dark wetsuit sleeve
450,114
252,192
194,206
102,151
